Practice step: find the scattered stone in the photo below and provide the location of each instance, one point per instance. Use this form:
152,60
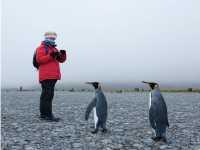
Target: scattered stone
197,147
163,147
76,145
29,148
138,146
128,124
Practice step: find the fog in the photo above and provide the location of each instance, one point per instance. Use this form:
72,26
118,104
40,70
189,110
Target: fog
106,41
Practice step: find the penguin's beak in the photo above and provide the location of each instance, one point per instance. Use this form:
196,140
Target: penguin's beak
149,82
145,82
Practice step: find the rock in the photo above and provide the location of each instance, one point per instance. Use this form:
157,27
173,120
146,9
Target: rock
128,127
197,147
5,146
163,147
27,147
77,145
106,141
147,141
138,146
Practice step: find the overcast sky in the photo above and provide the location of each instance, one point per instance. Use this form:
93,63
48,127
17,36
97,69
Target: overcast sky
106,40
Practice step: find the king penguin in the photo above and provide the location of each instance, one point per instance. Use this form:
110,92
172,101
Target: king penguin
99,107
158,116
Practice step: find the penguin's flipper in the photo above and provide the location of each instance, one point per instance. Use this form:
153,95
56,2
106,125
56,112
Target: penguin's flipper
152,117
89,108
161,111
166,113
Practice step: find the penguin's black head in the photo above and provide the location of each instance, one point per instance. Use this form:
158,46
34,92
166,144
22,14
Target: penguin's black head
152,85
94,84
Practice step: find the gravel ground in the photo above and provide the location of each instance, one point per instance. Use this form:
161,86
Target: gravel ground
128,124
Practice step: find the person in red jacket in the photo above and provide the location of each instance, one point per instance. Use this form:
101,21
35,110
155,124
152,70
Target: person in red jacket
48,57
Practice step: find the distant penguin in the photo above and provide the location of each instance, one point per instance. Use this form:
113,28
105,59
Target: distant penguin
158,116
99,107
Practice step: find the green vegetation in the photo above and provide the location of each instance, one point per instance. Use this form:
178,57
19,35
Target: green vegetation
118,90
181,90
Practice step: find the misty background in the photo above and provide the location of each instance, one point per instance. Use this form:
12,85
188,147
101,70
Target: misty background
118,41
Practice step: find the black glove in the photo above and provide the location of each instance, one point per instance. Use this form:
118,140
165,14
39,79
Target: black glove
55,55
62,52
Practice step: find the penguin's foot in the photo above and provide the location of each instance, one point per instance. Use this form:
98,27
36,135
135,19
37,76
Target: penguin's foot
43,117
163,139
156,139
54,119
104,130
95,131
92,127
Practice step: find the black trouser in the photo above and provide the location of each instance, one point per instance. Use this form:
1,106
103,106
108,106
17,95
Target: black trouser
46,97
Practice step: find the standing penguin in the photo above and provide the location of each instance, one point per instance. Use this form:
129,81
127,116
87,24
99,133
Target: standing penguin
157,112
99,106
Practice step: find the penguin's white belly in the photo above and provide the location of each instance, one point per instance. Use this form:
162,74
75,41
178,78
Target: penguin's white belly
149,100
95,117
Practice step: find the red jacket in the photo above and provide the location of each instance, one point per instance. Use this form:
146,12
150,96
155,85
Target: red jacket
48,67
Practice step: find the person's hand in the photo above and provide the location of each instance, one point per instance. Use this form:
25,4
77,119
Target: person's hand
63,51
55,55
